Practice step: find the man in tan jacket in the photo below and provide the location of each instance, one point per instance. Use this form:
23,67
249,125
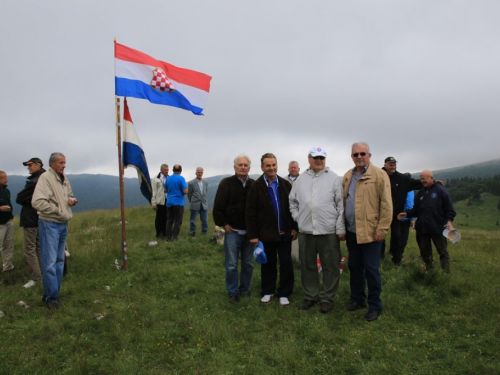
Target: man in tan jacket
53,199
368,214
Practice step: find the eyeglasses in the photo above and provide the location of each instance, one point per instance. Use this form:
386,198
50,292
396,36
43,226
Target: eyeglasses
318,157
356,154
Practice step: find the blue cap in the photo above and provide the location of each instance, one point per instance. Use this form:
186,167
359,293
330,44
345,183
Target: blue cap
259,254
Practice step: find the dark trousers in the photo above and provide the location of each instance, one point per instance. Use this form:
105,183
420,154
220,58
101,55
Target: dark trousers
396,248
364,264
174,222
424,243
283,251
161,221
405,233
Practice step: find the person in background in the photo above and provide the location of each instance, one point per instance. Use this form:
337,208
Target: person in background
29,221
269,220
53,199
368,214
293,171
6,225
158,202
434,212
229,213
176,188
197,196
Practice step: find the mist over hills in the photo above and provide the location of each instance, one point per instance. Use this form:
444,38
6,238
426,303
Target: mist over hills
102,192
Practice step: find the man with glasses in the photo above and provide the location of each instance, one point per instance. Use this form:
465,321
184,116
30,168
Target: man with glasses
368,214
316,205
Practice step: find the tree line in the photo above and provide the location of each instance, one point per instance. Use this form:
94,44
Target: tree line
471,188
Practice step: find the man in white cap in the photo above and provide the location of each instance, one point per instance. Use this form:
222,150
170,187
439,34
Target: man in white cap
316,205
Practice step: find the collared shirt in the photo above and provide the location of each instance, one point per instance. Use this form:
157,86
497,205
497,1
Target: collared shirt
350,214
200,185
274,192
163,179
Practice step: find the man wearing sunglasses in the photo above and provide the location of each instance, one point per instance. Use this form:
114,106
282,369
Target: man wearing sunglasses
368,214
316,205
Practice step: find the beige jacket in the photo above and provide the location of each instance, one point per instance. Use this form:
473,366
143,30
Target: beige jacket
158,196
373,203
51,197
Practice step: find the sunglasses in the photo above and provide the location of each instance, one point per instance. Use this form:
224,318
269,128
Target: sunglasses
356,154
318,157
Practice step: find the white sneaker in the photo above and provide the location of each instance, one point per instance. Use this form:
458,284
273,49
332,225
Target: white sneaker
266,298
29,284
284,301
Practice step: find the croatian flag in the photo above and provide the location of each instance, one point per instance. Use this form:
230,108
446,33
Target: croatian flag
141,76
133,155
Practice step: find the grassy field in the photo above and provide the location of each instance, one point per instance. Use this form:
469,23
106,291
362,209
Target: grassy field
169,313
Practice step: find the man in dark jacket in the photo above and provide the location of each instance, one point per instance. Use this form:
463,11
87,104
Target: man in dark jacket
400,186
269,220
229,213
29,221
6,225
434,211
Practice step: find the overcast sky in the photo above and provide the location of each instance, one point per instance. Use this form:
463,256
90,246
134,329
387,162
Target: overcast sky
417,80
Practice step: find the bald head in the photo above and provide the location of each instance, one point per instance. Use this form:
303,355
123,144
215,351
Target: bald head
426,178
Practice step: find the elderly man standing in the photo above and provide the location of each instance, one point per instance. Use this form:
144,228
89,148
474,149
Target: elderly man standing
176,188
229,213
197,196
316,205
293,171
401,185
53,199
6,225
29,221
158,201
368,214
269,220
434,211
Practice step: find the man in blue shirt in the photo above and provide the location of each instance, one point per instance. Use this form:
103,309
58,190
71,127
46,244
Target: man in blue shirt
176,188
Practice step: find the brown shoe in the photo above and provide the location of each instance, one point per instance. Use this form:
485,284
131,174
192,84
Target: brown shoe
307,304
325,307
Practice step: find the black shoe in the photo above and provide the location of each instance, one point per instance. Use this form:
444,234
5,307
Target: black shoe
325,307
307,304
234,298
353,306
245,294
53,305
372,315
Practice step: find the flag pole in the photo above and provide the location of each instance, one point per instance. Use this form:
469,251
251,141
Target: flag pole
122,189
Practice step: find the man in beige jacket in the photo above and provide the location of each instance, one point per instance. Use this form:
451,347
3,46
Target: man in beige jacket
368,214
53,199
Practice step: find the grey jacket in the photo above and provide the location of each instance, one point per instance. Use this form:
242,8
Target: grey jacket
316,203
197,198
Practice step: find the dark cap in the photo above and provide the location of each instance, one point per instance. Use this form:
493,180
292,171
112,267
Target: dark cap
34,160
390,159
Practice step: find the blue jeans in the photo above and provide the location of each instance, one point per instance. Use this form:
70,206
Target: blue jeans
234,244
364,264
52,243
203,218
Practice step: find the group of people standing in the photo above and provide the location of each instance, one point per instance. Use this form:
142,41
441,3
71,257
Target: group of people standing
168,202
46,202
321,209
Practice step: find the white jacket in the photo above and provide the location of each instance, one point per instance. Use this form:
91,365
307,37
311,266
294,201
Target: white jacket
316,203
158,196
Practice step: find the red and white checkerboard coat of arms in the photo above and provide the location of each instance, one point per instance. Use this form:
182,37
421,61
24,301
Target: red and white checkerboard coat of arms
160,81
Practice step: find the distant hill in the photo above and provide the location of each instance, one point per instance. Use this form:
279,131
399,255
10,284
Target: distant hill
97,191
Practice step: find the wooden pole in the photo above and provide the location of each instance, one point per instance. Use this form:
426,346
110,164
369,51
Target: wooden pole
122,189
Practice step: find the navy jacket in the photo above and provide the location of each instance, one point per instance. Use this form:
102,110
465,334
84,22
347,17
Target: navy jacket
433,209
29,216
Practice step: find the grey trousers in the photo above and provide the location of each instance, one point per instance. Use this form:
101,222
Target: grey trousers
32,252
7,244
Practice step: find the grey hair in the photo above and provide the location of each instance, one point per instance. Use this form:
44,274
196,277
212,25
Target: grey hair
357,144
243,155
54,156
199,169
163,166
293,162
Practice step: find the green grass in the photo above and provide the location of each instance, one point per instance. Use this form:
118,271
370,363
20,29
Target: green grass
169,313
